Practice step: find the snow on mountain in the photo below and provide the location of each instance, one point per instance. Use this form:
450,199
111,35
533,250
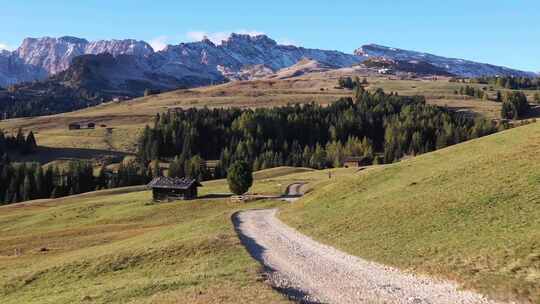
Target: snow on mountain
460,67
237,57
38,58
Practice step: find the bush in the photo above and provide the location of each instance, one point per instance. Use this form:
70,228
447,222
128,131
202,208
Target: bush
239,177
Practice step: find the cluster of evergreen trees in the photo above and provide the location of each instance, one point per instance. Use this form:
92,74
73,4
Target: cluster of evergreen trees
18,143
509,82
27,181
515,105
349,83
474,92
376,126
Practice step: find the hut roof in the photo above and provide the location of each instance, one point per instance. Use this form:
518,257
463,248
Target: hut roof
173,183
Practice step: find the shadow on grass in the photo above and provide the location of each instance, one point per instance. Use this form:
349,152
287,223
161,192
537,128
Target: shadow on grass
45,155
214,196
257,251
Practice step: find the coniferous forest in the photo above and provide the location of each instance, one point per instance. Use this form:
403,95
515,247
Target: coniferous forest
378,127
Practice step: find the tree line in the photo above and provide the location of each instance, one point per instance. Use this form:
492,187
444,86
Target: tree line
27,181
375,126
509,82
18,143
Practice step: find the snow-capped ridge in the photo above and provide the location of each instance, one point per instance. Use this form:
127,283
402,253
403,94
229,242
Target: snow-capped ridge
455,66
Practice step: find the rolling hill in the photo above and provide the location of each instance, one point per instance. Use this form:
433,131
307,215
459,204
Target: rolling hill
408,215
468,213
115,246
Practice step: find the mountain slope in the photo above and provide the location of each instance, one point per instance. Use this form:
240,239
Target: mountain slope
303,67
469,213
459,67
90,80
37,58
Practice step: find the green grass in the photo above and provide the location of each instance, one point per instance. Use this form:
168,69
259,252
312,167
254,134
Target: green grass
470,213
115,246
118,247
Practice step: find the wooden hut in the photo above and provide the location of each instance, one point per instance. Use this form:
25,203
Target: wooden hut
91,125
355,162
167,188
74,126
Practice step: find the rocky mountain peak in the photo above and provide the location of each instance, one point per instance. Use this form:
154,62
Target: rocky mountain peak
72,40
240,39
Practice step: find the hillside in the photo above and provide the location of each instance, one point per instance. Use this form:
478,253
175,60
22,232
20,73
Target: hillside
128,118
468,213
115,246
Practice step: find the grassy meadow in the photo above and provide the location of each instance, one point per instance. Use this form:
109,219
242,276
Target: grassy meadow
115,246
469,213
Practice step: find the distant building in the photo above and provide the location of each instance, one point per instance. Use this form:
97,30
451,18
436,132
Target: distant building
385,71
166,188
91,125
355,162
74,126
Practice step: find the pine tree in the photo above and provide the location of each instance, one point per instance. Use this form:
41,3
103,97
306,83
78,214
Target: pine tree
40,183
498,98
27,188
30,145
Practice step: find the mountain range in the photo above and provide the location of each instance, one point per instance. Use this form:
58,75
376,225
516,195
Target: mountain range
51,75
202,61
206,62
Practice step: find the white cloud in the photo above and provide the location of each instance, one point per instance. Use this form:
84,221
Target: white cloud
218,37
4,46
159,43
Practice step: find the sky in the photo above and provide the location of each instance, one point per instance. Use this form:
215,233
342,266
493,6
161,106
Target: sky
502,32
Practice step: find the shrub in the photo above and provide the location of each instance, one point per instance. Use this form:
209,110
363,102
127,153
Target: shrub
239,177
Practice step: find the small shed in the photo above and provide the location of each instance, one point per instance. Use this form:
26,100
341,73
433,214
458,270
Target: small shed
74,126
355,162
165,188
91,125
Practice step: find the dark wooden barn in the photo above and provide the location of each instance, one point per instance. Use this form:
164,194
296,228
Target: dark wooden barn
167,188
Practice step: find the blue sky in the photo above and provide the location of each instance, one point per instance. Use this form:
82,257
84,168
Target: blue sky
499,32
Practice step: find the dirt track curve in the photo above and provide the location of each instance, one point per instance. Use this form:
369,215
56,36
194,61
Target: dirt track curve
311,272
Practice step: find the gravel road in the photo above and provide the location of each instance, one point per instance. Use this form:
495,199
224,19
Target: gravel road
310,272
293,192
